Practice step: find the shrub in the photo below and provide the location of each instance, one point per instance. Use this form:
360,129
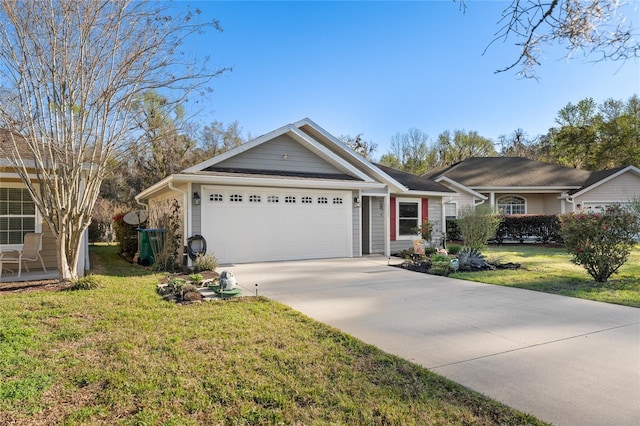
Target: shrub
88,282
454,249
125,234
542,228
205,262
477,224
440,264
471,259
196,279
165,218
600,242
453,230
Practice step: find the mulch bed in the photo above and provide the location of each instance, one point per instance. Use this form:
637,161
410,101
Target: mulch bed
29,286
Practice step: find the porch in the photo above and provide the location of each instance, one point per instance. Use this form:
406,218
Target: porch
9,275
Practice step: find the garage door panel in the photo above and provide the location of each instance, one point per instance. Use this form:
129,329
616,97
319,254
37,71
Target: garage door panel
258,230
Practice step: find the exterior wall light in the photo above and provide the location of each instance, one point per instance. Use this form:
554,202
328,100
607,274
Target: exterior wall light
356,202
196,199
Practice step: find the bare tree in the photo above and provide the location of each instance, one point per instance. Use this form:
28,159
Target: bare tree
360,145
70,74
596,29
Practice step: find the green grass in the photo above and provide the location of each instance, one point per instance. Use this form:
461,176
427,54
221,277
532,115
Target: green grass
118,354
550,270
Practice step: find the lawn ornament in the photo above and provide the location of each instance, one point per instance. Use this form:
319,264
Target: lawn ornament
227,280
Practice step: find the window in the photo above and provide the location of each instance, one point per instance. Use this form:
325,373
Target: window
273,199
511,204
254,198
408,217
235,198
290,199
451,210
215,197
17,215
337,200
322,200
307,200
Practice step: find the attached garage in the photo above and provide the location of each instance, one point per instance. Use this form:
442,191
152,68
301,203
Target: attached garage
252,224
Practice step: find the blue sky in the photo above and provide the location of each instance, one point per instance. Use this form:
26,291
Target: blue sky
379,68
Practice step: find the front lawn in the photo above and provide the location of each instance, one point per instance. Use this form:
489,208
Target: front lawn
121,355
550,270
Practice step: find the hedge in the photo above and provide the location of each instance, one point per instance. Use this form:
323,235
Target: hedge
520,228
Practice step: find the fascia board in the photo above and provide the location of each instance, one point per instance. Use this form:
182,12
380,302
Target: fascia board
428,193
358,158
239,149
155,188
541,189
251,181
632,169
461,187
326,153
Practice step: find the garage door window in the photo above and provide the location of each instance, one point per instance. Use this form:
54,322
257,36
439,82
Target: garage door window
216,198
337,200
235,198
290,199
322,200
307,200
273,199
254,199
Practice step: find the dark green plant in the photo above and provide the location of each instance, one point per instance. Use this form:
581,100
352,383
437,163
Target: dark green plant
453,249
453,230
600,242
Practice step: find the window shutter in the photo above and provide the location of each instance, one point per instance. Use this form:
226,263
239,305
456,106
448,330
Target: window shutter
392,225
425,209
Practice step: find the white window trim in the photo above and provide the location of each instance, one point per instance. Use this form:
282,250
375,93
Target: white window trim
417,201
38,218
453,203
526,202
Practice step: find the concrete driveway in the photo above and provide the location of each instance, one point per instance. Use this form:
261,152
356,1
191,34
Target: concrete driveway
567,361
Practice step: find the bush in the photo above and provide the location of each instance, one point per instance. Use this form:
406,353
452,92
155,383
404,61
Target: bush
205,262
440,264
454,249
453,230
600,242
125,234
477,225
541,228
88,282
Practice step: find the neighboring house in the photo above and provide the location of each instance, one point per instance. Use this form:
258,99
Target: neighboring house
299,193
19,215
516,185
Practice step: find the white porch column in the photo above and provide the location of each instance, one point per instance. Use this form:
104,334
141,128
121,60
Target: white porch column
387,226
492,200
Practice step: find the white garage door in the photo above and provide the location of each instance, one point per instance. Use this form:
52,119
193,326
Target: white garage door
264,224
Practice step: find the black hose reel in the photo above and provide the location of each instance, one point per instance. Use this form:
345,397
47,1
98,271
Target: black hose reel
199,242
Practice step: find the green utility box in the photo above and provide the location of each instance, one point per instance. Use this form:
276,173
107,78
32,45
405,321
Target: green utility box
148,241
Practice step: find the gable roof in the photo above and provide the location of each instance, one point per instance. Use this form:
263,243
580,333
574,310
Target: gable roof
413,182
511,172
598,178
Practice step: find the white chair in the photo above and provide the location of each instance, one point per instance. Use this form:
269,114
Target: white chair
30,253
